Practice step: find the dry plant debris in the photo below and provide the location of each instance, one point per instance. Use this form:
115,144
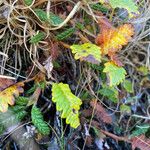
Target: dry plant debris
75,74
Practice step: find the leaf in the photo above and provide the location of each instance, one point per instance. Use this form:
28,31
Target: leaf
140,142
110,92
140,130
4,83
67,103
129,5
128,86
7,95
88,52
42,15
65,34
22,101
125,108
39,122
99,7
112,39
39,86
51,19
55,20
100,112
37,38
116,74
28,2
144,70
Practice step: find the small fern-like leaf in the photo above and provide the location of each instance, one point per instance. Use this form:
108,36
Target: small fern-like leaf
39,122
140,130
67,103
37,38
22,101
51,19
67,33
28,2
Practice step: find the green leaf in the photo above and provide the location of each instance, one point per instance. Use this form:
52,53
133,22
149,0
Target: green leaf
125,108
54,19
144,70
67,33
129,5
22,101
51,19
110,92
116,74
140,130
128,86
42,15
99,7
67,103
80,26
28,2
88,52
38,121
37,38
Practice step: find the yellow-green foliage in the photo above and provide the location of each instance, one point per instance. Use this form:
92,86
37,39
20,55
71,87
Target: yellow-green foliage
67,103
116,74
129,5
87,51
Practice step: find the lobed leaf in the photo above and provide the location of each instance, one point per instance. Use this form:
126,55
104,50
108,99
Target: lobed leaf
39,122
67,103
51,19
111,39
140,130
7,95
37,38
128,86
88,52
100,112
28,2
129,5
125,109
67,33
110,92
116,74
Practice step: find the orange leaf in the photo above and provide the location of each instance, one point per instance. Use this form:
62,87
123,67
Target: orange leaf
140,142
7,95
112,39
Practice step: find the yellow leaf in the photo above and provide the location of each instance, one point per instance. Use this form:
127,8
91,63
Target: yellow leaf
67,103
7,96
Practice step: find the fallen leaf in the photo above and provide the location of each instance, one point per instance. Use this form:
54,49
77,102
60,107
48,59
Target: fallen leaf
4,83
48,65
7,96
100,112
140,142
